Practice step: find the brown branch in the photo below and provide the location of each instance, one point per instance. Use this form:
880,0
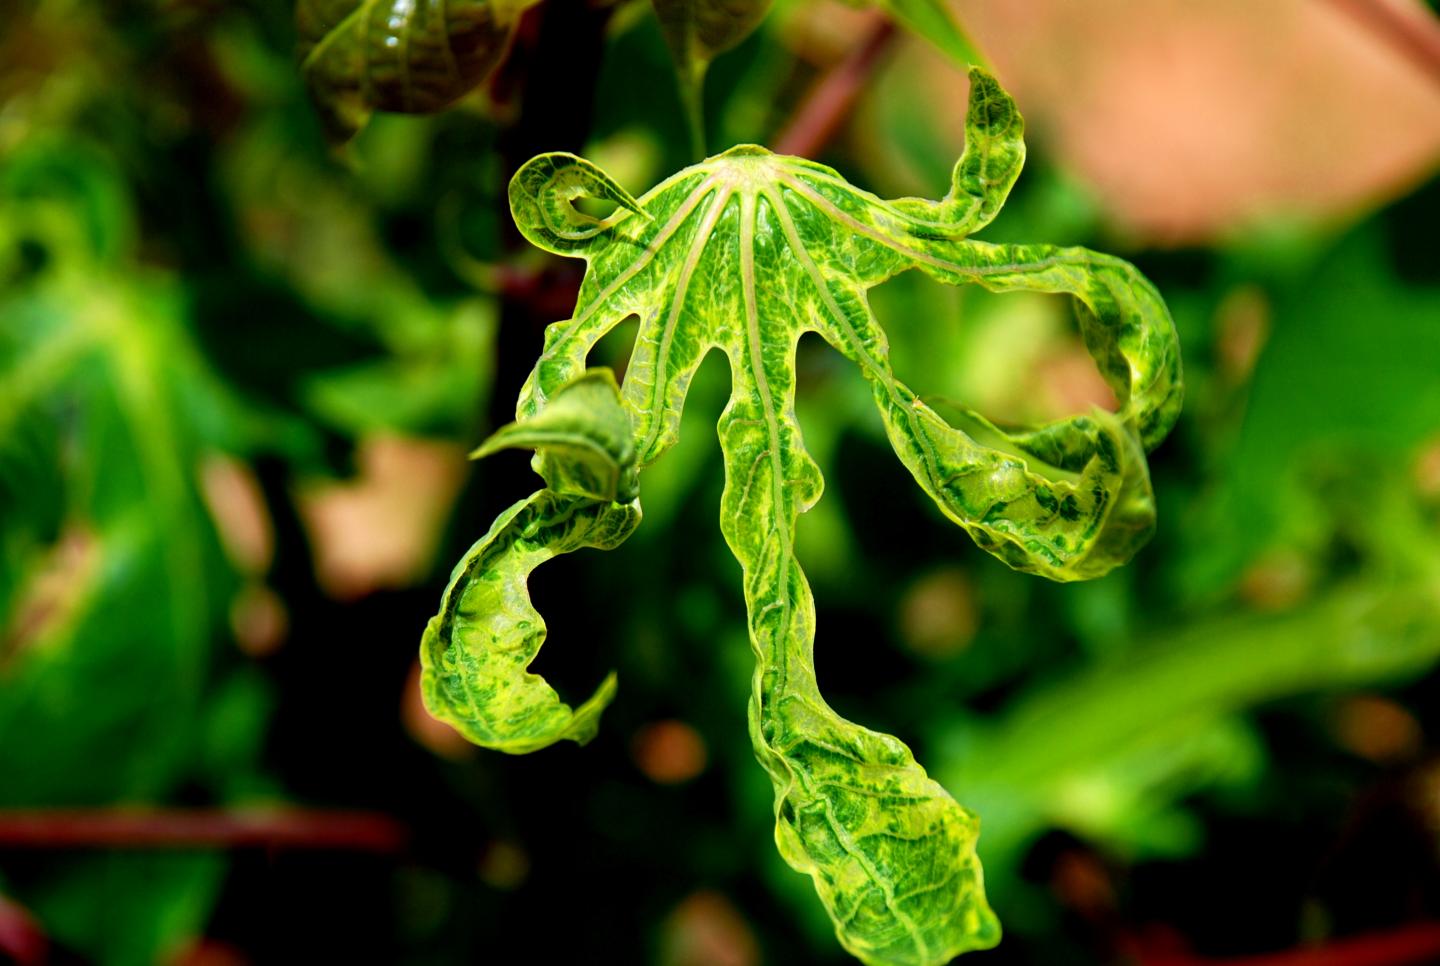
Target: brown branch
270,828
1410,29
1412,945
828,103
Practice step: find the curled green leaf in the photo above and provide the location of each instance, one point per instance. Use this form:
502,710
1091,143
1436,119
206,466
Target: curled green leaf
987,170
583,441
361,56
476,652
891,853
542,196
744,254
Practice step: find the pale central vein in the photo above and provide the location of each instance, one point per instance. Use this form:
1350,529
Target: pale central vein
954,225
874,367
767,403
786,556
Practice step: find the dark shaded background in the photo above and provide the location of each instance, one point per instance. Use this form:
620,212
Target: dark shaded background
239,374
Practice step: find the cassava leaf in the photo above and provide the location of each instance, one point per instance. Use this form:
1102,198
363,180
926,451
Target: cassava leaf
745,253
697,31
360,56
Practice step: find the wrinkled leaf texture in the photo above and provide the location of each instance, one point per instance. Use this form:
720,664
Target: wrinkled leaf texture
745,253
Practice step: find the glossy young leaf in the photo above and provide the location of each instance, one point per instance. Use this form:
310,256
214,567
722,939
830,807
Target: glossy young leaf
745,253
360,56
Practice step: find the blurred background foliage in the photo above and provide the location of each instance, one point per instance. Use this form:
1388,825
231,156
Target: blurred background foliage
239,373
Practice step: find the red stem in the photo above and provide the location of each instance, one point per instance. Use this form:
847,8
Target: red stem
828,104
271,828
1411,29
21,938
1412,945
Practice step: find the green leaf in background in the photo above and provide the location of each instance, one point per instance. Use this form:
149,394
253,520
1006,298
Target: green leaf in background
932,20
360,56
102,362
745,253
1111,752
131,909
113,586
697,32
432,380
1325,385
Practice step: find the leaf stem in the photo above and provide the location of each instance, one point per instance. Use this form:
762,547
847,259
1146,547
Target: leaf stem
1413,943
145,828
692,100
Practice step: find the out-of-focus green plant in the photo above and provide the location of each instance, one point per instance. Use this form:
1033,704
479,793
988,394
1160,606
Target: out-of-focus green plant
697,32
361,56
107,410
745,253
121,395
112,582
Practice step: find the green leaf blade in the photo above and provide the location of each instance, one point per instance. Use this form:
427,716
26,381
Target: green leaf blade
892,854
583,440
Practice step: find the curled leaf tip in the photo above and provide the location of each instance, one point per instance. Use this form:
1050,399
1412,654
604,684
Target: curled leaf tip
542,196
582,437
475,653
